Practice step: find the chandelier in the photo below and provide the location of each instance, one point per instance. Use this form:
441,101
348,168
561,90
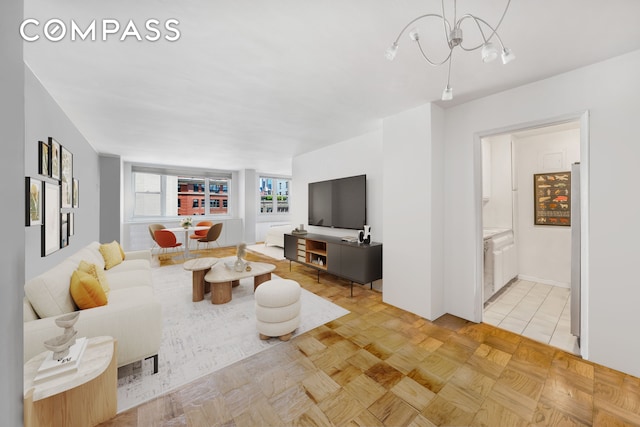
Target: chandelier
453,34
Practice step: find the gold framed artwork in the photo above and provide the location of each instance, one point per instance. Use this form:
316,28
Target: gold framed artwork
33,191
552,198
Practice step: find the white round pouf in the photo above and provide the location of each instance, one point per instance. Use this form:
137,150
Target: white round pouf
277,308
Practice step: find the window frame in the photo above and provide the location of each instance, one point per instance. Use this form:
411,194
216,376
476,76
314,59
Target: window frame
165,192
274,196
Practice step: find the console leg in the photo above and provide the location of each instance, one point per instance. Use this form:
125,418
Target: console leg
155,363
352,289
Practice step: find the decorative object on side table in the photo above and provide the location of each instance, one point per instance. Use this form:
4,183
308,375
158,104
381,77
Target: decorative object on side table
365,235
60,344
186,222
241,251
299,230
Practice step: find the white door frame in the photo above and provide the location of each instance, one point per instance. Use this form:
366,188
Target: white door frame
583,118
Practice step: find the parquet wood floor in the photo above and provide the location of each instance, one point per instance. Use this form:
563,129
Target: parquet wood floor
382,366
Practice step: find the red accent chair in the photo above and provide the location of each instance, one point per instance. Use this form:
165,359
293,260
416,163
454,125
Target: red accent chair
166,240
199,234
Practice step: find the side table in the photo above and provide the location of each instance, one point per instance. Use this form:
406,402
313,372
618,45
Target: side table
83,398
199,267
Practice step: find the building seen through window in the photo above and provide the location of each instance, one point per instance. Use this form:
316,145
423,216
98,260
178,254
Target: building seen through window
170,195
274,195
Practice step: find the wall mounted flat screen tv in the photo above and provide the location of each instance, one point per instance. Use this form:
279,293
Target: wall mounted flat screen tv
339,203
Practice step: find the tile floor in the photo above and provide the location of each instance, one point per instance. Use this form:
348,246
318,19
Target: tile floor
534,310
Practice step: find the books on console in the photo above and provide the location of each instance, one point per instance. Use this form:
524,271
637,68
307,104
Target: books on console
52,368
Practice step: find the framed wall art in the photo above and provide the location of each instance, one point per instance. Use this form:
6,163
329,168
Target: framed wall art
51,208
66,177
64,229
33,190
552,198
54,148
76,193
71,224
44,159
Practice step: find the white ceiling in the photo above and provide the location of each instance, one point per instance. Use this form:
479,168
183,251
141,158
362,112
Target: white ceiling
251,83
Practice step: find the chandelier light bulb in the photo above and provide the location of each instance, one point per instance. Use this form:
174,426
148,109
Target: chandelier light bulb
507,56
391,52
414,35
489,52
447,93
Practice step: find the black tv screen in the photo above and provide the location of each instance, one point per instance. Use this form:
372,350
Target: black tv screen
339,203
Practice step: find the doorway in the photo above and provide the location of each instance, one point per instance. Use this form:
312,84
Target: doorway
527,263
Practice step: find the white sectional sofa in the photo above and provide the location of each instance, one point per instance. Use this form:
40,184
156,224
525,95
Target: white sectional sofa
132,315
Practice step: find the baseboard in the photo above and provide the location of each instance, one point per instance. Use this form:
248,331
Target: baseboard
544,281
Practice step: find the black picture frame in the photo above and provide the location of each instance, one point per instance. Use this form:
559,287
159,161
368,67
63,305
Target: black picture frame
33,202
54,148
64,229
66,178
50,240
44,158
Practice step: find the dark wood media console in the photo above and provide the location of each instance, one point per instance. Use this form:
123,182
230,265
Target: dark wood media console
359,263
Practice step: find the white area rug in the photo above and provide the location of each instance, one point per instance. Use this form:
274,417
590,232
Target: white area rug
275,252
199,337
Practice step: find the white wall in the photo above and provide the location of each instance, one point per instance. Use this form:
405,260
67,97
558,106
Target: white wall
356,156
248,203
609,90
544,252
412,212
497,212
12,212
44,118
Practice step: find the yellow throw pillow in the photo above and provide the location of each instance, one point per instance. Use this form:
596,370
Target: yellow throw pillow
96,272
121,251
111,254
86,291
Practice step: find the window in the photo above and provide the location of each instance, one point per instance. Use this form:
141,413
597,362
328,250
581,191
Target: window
158,194
274,195
148,194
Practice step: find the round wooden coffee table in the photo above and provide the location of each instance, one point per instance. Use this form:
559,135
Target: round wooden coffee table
199,267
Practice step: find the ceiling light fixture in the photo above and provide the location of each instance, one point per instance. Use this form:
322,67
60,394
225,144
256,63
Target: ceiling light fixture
453,34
